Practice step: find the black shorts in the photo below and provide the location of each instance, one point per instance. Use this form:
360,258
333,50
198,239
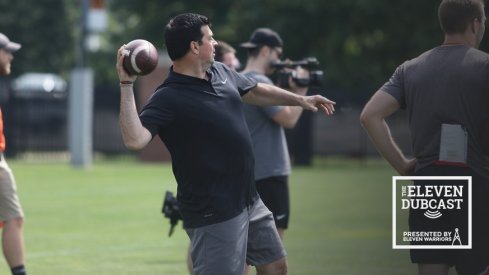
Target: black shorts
274,192
466,261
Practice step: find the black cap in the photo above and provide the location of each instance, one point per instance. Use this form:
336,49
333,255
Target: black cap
5,43
263,37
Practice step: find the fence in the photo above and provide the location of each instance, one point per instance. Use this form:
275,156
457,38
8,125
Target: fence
39,125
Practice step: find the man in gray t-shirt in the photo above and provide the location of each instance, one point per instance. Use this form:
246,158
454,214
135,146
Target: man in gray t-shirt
266,124
452,94
446,94
269,142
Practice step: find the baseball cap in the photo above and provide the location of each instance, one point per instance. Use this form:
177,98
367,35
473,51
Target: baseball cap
263,37
10,46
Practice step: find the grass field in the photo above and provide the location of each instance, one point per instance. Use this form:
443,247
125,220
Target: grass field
107,220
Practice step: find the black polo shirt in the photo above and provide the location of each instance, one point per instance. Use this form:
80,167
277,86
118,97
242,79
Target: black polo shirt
203,126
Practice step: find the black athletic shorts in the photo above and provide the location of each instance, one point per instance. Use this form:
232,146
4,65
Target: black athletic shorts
465,261
274,192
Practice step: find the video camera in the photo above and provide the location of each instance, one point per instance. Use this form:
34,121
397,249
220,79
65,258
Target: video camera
171,211
282,76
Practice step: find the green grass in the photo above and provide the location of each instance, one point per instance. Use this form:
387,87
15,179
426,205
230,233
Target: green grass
107,220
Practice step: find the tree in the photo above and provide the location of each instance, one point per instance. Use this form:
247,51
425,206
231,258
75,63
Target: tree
358,42
44,28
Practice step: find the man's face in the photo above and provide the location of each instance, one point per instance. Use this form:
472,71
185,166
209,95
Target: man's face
206,49
274,55
5,61
231,60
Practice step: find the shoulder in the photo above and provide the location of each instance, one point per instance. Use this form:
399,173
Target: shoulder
259,77
165,89
221,71
232,80
164,92
220,68
418,59
427,58
479,55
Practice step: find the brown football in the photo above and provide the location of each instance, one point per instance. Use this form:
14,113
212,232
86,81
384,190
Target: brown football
140,57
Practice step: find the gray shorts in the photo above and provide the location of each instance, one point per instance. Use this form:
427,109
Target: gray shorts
223,248
9,202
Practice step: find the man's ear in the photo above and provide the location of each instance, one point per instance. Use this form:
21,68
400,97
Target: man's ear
194,47
265,50
474,25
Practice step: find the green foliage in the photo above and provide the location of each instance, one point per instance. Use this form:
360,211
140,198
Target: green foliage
44,29
358,42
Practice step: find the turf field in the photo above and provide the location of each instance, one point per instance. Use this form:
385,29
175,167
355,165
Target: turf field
107,220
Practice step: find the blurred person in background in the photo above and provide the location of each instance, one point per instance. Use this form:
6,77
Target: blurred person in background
11,213
226,54
266,125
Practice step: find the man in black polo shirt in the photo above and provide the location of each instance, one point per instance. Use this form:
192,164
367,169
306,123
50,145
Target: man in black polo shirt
197,112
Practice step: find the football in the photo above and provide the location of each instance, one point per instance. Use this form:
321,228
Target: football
140,57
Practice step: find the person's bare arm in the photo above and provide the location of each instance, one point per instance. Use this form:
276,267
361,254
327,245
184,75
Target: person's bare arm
134,134
380,106
288,116
268,95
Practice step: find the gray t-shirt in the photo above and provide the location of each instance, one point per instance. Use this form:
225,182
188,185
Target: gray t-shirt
445,85
269,143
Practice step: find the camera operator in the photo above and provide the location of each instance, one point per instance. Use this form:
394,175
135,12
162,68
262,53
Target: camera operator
267,123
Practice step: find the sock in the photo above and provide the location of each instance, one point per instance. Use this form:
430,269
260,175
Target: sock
19,270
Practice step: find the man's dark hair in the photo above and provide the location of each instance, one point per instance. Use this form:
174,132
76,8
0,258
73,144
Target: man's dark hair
181,30
455,15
